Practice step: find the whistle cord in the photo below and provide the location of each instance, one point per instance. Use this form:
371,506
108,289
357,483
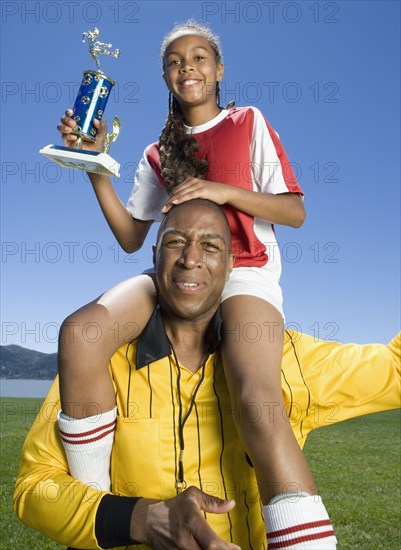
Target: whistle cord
181,484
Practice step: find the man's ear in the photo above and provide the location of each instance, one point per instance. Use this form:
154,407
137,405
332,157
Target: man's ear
220,71
230,264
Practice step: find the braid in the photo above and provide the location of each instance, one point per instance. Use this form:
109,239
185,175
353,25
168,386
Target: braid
177,148
218,94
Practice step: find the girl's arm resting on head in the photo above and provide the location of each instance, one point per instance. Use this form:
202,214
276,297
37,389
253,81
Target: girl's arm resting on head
277,198
283,208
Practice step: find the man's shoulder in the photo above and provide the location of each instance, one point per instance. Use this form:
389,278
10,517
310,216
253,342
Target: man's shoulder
125,355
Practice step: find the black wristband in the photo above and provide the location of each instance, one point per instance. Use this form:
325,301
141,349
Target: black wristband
113,521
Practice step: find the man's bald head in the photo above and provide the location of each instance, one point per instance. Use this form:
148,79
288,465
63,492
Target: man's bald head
197,203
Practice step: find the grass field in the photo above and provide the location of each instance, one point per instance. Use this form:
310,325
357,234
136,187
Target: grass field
357,465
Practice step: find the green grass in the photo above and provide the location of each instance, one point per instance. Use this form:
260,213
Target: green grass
357,465
17,415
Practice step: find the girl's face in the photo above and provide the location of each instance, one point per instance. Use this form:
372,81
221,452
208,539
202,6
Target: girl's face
191,71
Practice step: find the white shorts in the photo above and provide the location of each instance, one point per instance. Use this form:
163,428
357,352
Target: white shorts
255,281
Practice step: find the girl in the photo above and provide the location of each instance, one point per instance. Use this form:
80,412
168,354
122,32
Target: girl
233,158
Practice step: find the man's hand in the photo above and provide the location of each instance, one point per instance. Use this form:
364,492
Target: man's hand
178,523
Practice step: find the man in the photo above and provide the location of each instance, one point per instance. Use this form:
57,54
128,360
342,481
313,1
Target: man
175,426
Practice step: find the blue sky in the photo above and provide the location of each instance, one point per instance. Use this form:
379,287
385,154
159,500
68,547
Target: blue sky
325,74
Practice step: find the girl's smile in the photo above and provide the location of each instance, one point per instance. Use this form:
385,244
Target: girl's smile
189,82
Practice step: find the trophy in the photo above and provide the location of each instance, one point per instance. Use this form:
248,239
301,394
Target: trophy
90,103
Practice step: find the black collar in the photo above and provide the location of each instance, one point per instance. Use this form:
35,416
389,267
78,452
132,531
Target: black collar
153,343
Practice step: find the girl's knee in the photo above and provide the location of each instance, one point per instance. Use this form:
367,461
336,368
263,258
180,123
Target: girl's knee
82,331
67,334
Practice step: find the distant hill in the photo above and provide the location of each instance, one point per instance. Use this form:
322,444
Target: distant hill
18,362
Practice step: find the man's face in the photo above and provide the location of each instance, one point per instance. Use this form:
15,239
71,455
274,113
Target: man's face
193,261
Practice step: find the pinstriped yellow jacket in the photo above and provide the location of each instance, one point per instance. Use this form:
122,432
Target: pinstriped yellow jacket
323,383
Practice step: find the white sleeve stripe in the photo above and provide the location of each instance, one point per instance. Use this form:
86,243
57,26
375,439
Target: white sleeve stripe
269,173
148,196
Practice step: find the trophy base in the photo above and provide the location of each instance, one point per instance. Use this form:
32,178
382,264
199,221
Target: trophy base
87,161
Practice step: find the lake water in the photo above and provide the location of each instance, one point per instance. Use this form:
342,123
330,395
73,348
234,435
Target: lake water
24,388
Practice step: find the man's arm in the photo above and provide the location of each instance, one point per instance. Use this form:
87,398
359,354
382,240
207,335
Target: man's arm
49,500
328,382
46,497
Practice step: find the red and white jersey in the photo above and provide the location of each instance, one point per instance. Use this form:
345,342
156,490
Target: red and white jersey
242,149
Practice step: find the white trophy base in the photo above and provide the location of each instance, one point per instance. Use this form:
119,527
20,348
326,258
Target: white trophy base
87,161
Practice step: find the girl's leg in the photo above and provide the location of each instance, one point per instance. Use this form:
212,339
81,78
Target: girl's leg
252,353
90,336
88,339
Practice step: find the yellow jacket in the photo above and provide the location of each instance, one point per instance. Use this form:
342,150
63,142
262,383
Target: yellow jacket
323,383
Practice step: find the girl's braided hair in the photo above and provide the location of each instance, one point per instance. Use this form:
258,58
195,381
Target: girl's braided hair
177,148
